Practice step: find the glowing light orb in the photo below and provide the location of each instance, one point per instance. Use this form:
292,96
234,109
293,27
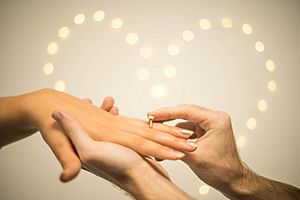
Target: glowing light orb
251,123
98,15
52,48
63,32
116,23
188,35
48,69
79,18
205,24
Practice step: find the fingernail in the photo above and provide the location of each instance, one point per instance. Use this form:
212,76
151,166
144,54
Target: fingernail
179,154
192,144
187,132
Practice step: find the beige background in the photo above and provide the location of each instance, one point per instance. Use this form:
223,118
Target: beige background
219,69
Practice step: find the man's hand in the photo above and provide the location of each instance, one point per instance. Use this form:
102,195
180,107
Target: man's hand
141,176
216,160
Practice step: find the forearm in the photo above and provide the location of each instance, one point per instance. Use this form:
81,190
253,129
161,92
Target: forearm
255,187
14,123
147,184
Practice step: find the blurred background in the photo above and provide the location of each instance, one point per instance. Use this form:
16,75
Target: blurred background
238,56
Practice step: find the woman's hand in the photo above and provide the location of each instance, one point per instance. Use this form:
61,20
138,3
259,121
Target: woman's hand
163,142
140,176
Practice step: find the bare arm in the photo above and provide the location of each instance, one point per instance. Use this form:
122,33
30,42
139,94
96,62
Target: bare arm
22,115
14,124
254,187
147,184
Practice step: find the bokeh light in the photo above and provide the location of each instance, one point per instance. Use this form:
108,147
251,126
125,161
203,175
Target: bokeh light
262,105
48,69
205,24
259,46
132,38
270,65
188,35
60,86
226,22
251,123
116,23
247,29
52,48
79,18
204,189
99,15
272,86
63,32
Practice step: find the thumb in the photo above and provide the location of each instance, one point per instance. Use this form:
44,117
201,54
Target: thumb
73,130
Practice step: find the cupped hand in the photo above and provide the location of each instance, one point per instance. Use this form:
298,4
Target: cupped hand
216,160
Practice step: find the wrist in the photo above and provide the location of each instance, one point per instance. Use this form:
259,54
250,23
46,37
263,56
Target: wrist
34,106
14,123
19,114
134,180
243,187
144,182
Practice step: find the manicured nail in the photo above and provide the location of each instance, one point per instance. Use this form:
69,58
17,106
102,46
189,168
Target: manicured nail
187,132
192,144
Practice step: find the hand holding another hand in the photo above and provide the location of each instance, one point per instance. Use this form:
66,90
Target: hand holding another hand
141,176
162,141
216,160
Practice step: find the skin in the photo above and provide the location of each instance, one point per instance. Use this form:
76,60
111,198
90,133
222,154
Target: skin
141,176
25,114
216,160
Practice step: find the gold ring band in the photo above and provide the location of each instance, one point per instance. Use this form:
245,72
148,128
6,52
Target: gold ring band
151,118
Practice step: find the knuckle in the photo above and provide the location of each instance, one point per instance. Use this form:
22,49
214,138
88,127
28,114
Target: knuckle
160,150
138,142
223,119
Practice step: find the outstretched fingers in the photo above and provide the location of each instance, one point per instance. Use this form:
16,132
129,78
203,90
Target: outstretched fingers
149,148
188,112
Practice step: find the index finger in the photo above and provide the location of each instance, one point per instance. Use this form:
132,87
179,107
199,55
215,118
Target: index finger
189,112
